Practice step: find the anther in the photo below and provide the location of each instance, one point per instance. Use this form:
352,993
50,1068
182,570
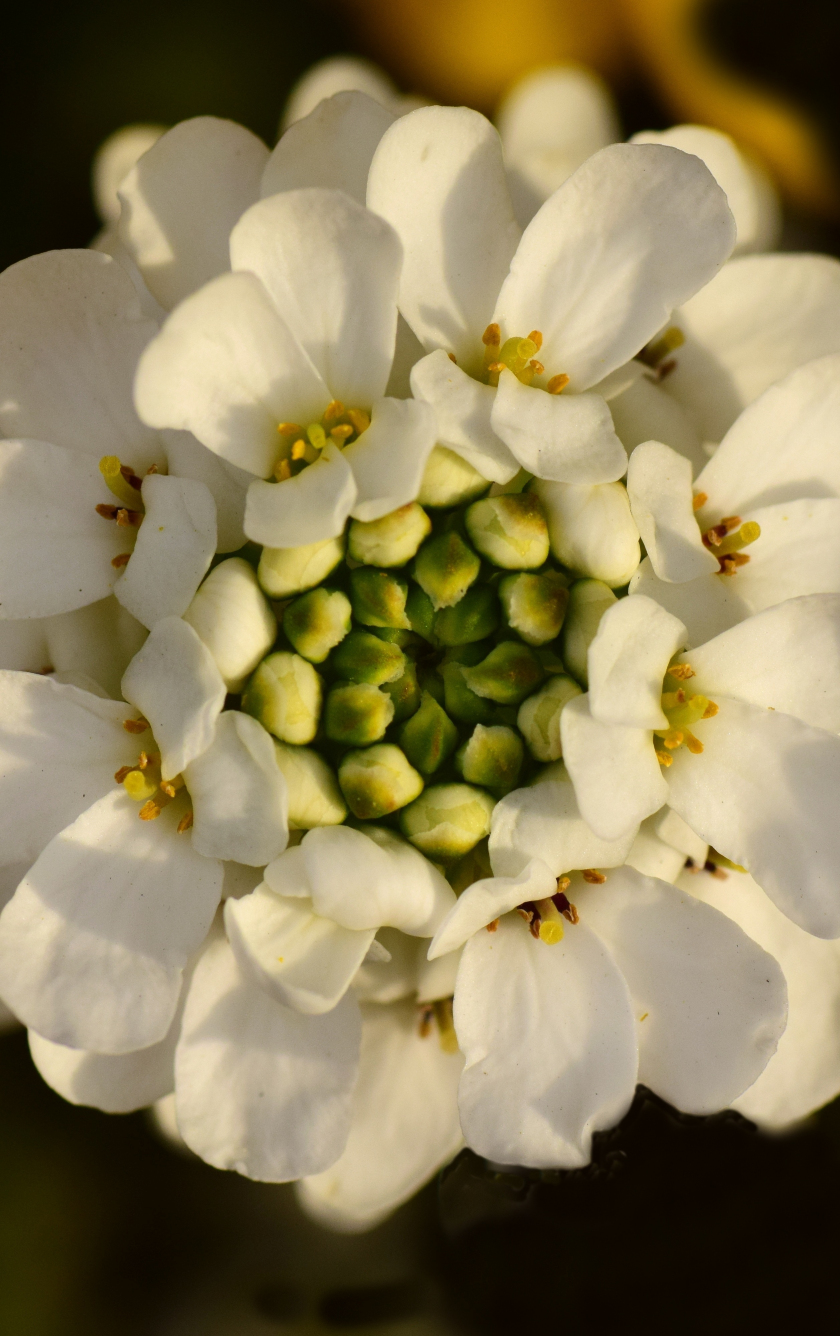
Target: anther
107,512
492,927
536,367
128,519
563,884
283,469
557,383
536,338
299,450
681,672
289,429
693,744
172,786
664,758
593,877
658,349
185,822
120,774
452,358
700,499
674,738
446,1026
334,410
122,560
151,810
710,711
492,337
135,726
340,432
359,419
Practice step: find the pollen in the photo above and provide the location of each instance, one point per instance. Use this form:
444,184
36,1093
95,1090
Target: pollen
492,336
135,725
557,384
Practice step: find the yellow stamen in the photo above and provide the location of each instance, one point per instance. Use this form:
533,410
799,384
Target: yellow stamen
664,759
668,342
334,410
122,772
289,429
151,810
593,877
492,336
135,725
557,384
445,1024
299,450
283,469
536,338
341,432
563,884
493,927
452,358
117,482
122,560
710,711
185,822
359,419
700,499
693,744
673,738
172,786
681,672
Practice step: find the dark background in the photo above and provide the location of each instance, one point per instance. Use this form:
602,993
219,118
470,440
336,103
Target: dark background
681,1225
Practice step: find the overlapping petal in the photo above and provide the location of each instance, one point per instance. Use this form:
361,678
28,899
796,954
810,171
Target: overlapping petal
389,458
331,146
565,438
618,780
635,642
238,794
175,545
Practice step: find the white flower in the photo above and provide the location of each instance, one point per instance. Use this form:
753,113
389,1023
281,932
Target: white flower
631,235
343,74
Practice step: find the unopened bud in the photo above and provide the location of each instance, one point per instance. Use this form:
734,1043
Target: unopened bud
445,568
284,694
391,540
492,757
535,605
588,601
378,598
510,530
510,672
317,622
449,480
234,619
291,570
378,780
314,795
420,612
474,618
448,820
363,657
539,717
404,693
462,703
356,714
429,737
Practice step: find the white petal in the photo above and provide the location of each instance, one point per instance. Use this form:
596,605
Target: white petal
486,900
569,438
337,74
652,856
427,174
672,830
227,367
706,606
397,978
635,642
175,545
763,794
798,552
661,499
591,528
548,1036
710,1005
632,234
114,160
94,941
238,794
305,961
404,1123
188,458
331,147
183,197
71,331
260,1088
99,641
618,780
305,509
644,412
59,749
234,619
287,875
388,460
463,408
175,683
23,645
332,269
544,820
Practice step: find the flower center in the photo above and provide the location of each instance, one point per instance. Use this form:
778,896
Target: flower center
682,708
439,1014
123,482
517,355
656,355
143,782
302,446
726,539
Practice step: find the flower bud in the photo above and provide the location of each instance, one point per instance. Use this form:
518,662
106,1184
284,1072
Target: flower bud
391,540
539,717
317,622
363,657
445,568
378,598
448,820
591,528
535,605
474,618
448,480
284,694
404,692
509,530
588,601
234,619
421,614
314,796
290,570
378,780
461,703
429,737
510,672
357,714
492,757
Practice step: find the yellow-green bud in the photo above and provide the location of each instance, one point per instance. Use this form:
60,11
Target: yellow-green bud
449,480
405,693
462,703
510,672
317,622
378,780
284,694
448,820
314,795
445,568
378,598
535,605
421,614
429,737
474,618
588,601
291,570
509,530
492,757
391,540
539,717
363,657
357,714
234,619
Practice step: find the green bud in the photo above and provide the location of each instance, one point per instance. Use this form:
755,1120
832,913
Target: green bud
588,601
448,480
420,612
448,820
510,672
291,570
535,605
430,680
469,654
378,598
284,694
445,568
357,714
314,795
317,622
404,693
429,737
492,757
511,530
391,540
461,703
539,717
474,618
363,657
378,780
